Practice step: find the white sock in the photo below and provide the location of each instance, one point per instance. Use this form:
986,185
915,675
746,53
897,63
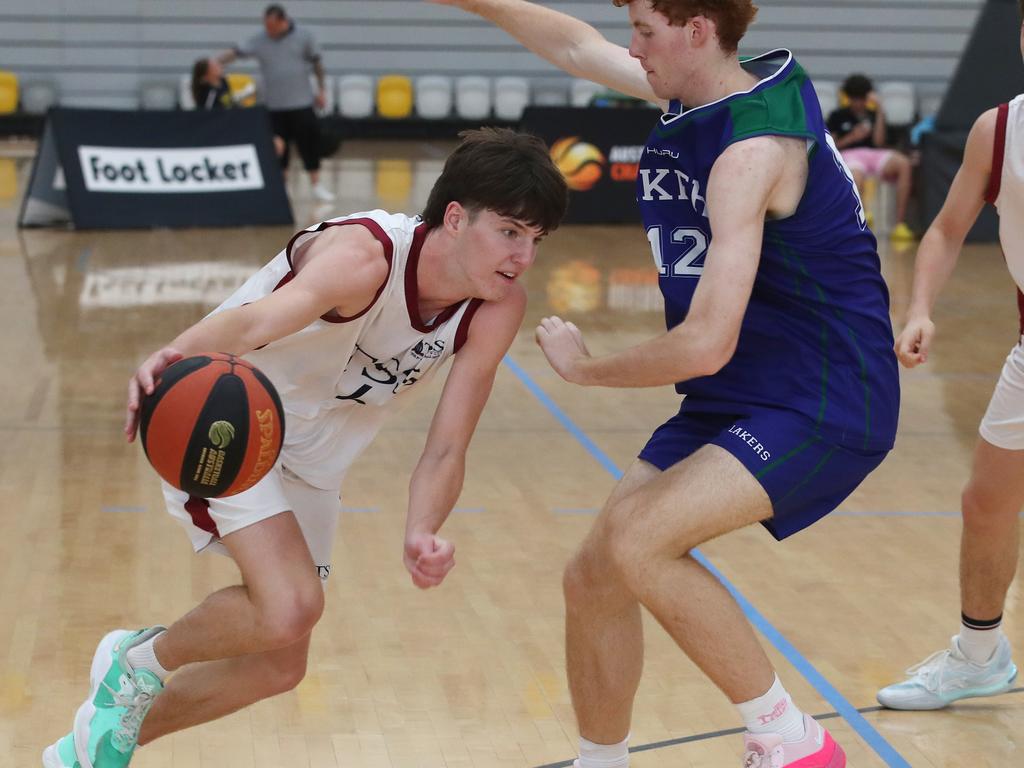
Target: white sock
144,655
978,645
774,712
603,755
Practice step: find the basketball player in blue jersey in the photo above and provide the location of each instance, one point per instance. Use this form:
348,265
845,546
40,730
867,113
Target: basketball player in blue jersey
345,321
778,335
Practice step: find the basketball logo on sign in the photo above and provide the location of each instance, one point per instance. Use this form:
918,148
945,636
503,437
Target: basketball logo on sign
581,164
221,433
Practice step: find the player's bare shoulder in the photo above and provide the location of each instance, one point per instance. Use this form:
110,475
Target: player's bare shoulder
496,322
775,165
346,262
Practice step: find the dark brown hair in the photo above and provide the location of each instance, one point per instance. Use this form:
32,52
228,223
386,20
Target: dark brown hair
503,171
731,17
199,70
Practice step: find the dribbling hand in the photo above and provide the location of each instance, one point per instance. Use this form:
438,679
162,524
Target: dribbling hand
563,346
428,558
914,341
142,383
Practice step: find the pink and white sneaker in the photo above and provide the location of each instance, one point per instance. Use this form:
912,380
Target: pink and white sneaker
815,750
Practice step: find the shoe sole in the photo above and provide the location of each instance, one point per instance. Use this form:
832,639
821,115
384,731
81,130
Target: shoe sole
970,693
86,712
51,759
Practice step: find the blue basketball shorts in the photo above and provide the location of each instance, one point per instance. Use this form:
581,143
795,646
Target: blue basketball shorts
805,475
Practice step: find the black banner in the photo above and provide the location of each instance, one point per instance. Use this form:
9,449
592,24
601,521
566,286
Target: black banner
128,170
598,150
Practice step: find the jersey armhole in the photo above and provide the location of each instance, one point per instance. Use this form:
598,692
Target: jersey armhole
379,234
995,177
462,332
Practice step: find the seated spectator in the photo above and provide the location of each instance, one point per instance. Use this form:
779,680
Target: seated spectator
209,88
859,130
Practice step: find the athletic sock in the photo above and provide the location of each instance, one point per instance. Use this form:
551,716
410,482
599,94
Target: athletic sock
773,712
144,655
978,639
604,755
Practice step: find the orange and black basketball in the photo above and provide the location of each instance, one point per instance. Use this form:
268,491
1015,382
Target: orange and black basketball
213,425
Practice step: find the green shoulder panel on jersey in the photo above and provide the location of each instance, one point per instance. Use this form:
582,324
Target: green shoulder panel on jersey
774,111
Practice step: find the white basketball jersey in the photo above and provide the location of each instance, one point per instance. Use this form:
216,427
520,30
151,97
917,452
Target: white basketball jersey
1006,187
339,378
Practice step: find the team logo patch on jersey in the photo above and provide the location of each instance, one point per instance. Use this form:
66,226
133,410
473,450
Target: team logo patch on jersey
428,350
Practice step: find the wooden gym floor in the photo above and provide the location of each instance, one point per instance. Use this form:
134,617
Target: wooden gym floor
471,674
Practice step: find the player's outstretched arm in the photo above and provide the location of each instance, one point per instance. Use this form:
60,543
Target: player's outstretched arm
941,244
437,480
739,189
341,271
570,44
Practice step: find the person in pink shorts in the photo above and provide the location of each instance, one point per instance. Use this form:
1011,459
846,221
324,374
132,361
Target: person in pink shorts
859,131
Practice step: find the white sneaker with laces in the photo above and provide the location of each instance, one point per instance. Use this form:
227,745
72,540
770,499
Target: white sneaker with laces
947,676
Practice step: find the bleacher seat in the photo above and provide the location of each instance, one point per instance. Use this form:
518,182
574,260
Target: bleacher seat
511,95
157,96
828,96
473,97
550,94
899,103
8,92
355,96
394,96
582,92
185,100
243,88
434,96
37,96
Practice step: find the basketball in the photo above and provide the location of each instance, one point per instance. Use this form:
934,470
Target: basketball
213,425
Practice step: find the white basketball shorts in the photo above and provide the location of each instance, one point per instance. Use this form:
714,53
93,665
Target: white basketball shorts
207,521
1003,424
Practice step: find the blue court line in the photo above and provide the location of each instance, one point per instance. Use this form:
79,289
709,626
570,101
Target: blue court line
849,713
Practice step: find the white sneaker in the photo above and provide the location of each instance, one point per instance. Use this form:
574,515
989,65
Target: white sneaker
321,193
946,676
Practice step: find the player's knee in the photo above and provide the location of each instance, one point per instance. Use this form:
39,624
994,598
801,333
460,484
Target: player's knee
293,616
284,673
982,510
579,581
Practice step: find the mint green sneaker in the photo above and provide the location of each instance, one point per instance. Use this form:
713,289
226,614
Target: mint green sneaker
107,724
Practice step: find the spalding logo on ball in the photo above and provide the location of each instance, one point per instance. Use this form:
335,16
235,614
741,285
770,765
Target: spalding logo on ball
213,426
580,163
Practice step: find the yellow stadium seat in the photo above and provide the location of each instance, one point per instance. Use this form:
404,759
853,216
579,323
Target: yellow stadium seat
8,179
8,92
243,88
394,96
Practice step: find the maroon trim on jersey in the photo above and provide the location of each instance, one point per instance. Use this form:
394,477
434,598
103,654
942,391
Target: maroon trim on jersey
995,177
1020,310
375,230
412,289
462,333
199,510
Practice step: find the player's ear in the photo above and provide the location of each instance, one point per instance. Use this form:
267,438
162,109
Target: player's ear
455,217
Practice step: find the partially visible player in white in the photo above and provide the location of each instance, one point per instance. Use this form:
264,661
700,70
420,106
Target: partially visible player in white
347,319
978,662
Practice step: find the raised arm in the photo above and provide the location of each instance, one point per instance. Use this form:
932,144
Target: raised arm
341,270
570,44
941,244
743,182
437,481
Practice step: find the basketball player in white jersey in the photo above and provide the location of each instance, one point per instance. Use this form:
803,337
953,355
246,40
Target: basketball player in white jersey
344,321
978,662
